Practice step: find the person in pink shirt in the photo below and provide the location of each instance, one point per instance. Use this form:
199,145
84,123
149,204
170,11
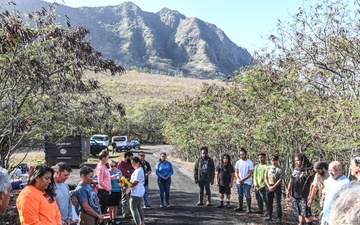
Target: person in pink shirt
104,180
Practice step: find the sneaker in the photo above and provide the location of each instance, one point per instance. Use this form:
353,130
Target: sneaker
168,206
238,209
199,203
278,220
162,206
268,218
249,211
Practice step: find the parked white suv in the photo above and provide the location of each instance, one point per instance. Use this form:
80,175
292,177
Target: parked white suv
122,142
102,139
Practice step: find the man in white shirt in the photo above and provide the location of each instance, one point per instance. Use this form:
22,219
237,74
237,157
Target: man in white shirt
243,171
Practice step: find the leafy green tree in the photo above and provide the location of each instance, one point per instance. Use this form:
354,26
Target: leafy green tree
43,89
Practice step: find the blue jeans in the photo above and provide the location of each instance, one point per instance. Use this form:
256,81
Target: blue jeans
146,196
164,187
243,189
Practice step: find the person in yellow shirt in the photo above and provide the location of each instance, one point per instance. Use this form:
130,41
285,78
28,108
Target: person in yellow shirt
36,203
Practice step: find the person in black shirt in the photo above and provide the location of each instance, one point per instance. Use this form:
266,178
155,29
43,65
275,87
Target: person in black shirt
204,174
299,188
225,179
147,172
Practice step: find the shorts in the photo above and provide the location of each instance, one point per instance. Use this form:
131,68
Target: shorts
301,207
243,189
114,199
224,190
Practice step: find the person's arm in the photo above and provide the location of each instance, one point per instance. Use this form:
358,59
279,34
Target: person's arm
89,210
267,177
28,210
256,185
232,179
212,171
237,174
148,172
217,176
157,171
196,178
248,175
100,173
171,172
288,189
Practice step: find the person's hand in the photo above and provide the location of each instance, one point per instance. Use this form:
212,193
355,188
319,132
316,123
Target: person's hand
196,182
212,182
241,181
166,177
309,201
217,184
230,185
271,188
287,193
254,188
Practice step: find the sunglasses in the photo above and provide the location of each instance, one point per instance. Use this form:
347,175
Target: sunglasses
141,155
113,165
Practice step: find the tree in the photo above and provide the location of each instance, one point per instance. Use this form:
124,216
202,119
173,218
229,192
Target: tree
43,88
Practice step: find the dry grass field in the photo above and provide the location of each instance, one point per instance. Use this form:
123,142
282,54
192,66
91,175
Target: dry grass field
132,86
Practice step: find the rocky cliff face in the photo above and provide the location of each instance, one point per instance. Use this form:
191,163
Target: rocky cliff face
165,42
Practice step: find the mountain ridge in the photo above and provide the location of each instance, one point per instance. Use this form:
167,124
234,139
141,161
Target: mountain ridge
165,42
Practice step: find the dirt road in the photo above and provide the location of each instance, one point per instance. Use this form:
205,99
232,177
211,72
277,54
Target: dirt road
183,198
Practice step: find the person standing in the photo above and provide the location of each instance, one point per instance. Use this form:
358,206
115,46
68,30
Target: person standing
147,171
259,182
126,169
63,199
274,176
115,196
224,179
90,213
104,180
322,174
204,174
36,203
164,171
5,189
243,171
332,185
355,166
299,188
137,191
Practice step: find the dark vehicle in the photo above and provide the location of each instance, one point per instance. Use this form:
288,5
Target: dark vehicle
71,149
134,144
96,148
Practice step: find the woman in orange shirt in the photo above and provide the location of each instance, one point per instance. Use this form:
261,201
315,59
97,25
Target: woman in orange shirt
36,202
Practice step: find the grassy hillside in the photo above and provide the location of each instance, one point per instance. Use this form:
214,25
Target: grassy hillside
132,86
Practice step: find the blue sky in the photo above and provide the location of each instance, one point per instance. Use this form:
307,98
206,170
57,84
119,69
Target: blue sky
245,22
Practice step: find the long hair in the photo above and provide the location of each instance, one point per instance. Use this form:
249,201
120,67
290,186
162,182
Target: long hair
40,171
228,166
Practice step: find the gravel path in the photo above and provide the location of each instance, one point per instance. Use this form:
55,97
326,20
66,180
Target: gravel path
183,198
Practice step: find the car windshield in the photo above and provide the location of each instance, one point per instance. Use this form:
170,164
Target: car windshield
98,138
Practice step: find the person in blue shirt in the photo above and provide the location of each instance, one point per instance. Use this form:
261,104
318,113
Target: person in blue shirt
89,205
164,170
115,196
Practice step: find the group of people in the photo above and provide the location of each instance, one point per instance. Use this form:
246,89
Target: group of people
47,199
266,179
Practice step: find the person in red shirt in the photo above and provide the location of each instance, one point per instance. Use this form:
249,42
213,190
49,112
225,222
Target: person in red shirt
126,169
